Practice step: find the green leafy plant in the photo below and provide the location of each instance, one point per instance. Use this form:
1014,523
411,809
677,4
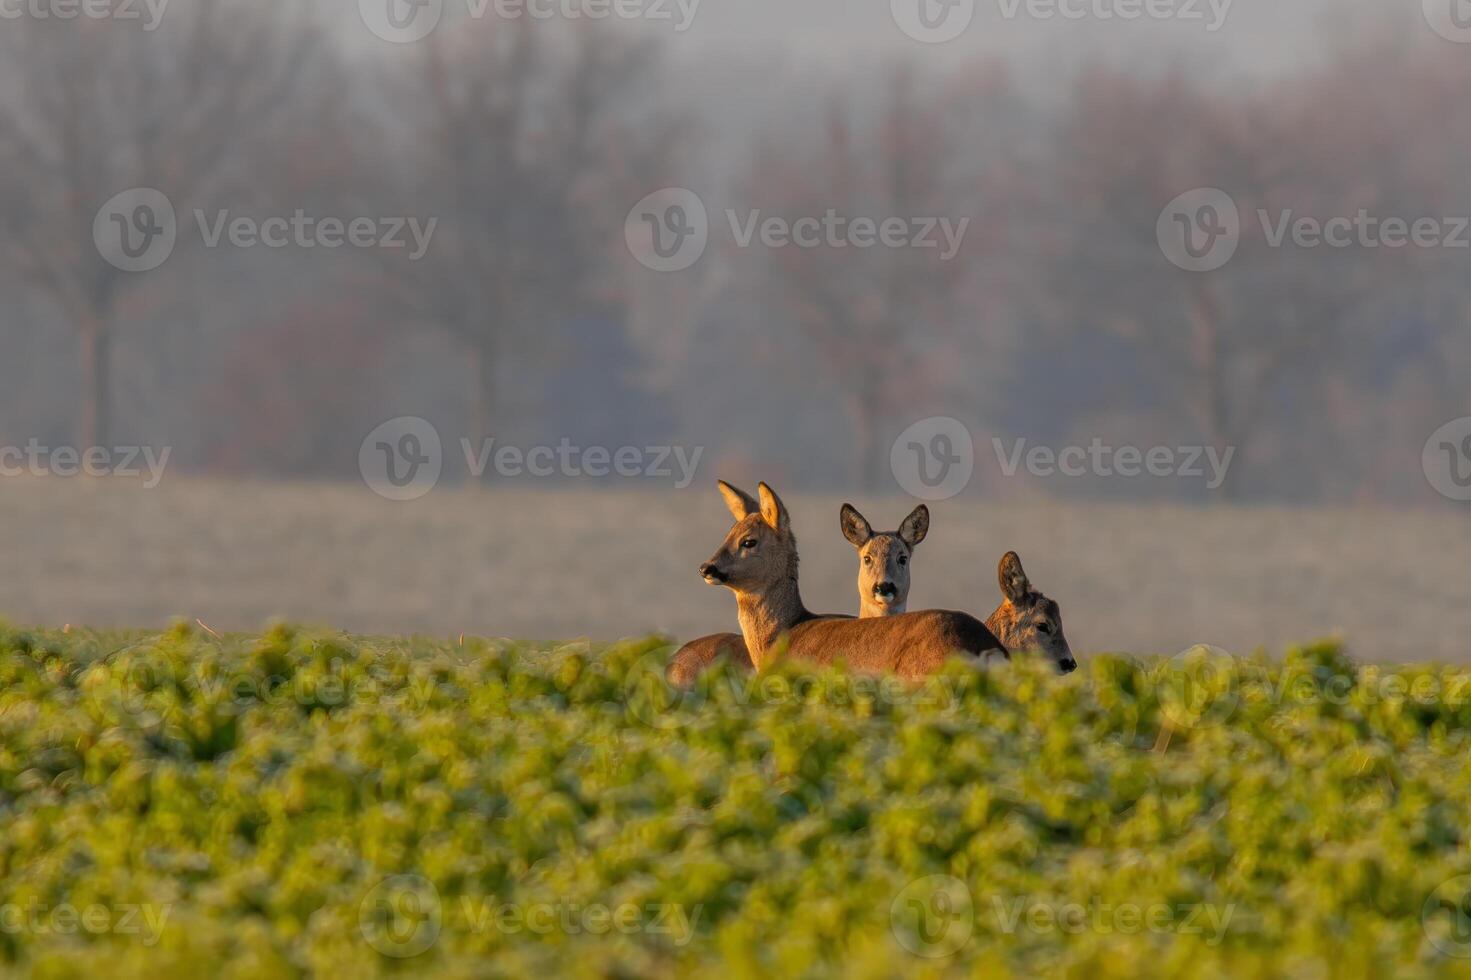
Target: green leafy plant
301,802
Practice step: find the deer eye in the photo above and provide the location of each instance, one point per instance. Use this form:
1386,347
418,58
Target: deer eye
903,560
868,559
749,543
1044,627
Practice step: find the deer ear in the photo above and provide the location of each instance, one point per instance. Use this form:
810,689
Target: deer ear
773,511
741,504
1015,585
855,528
915,526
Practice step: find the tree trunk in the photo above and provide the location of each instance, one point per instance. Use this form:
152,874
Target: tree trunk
483,405
865,477
482,393
1214,407
94,408
1233,487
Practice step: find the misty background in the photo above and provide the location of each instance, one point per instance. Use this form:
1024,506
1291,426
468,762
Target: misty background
528,319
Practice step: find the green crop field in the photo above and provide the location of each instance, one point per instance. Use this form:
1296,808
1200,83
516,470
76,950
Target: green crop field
300,802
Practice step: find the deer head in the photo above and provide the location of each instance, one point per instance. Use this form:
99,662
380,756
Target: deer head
1027,619
884,559
760,551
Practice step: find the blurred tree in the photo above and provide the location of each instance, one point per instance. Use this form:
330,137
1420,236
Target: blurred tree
92,107
882,319
531,143
290,390
1232,346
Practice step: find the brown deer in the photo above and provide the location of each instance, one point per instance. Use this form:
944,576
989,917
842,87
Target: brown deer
758,562
883,582
883,560
1027,619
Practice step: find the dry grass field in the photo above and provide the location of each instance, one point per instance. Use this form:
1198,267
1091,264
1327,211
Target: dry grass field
559,564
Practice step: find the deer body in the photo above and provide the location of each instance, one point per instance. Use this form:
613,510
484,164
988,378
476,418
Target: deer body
912,645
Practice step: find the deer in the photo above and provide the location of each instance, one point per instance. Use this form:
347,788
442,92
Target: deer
883,559
1027,619
883,582
758,562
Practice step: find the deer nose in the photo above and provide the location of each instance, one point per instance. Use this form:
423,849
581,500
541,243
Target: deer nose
886,590
1068,666
709,571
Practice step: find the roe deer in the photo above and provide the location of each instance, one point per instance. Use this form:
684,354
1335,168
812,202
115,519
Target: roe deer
883,582
758,562
883,569
1027,619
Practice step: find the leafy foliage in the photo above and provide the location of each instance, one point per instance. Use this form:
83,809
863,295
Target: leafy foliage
254,793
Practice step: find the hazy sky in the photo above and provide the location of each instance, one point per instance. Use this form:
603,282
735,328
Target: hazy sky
1252,33
1251,36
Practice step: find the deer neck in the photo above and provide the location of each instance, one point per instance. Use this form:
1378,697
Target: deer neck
868,609
767,614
